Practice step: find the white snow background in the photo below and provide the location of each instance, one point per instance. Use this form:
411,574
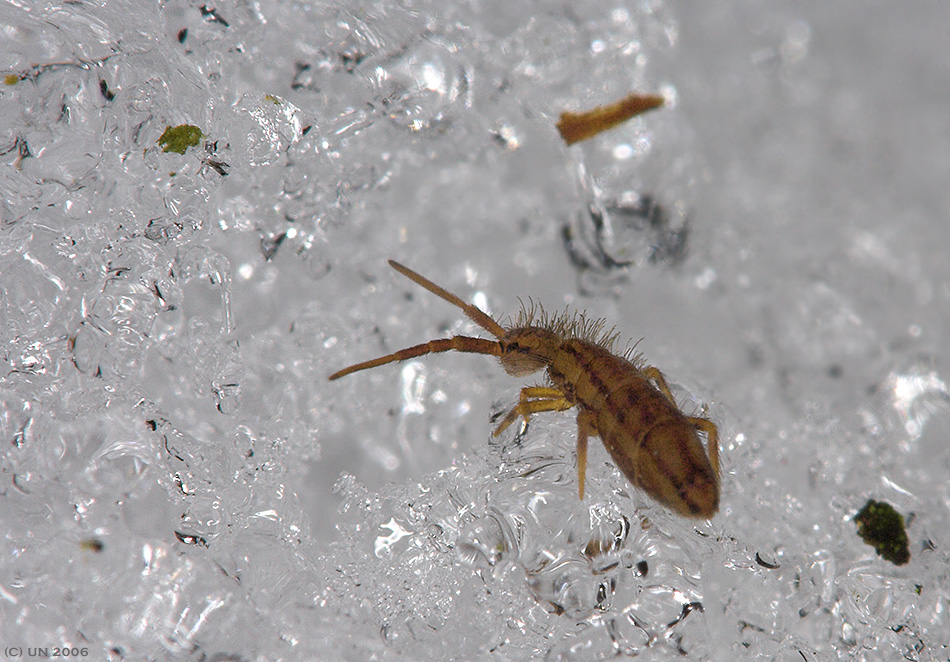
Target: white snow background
179,480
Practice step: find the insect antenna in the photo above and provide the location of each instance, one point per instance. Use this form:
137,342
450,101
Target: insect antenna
481,318
466,344
457,343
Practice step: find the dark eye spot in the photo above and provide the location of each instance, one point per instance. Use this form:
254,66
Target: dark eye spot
518,347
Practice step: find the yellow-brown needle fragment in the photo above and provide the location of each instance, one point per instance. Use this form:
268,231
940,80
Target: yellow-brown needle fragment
575,127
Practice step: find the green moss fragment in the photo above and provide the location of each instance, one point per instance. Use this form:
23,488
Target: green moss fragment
179,138
274,100
882,527
11,79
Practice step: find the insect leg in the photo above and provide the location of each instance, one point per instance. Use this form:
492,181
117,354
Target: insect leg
585,427
704,424
545,399
457,343
712,439
539,392
657,376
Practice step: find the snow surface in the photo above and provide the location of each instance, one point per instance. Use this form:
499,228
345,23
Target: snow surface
180,480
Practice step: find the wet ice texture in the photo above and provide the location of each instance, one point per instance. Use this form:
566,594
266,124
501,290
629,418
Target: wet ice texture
168,321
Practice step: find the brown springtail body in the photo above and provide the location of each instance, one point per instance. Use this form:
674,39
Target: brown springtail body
618,398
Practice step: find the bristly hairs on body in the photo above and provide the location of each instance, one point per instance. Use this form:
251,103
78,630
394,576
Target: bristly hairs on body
574,325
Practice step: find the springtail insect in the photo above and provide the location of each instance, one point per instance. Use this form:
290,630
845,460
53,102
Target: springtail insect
618,398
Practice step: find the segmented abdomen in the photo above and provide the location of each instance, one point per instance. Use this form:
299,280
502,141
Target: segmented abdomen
649,439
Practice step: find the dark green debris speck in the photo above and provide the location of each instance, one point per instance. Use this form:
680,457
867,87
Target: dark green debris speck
882,527
179,138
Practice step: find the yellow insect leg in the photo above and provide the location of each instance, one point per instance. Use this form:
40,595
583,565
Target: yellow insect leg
712,437
704,424
585,427
535,399
657,376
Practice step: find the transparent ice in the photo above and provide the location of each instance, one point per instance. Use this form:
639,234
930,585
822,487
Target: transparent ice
179,479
